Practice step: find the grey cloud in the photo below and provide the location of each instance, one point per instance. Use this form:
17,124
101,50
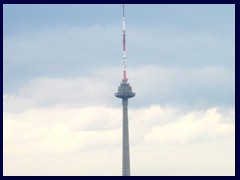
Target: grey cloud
69,51
190,88
204,87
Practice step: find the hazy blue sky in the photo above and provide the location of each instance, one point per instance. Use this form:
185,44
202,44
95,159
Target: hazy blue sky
63,63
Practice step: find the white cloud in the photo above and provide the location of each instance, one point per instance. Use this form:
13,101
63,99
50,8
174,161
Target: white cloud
194,127
67,124
56,91
90,138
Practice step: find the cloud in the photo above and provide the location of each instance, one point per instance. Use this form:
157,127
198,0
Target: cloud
191,127
61,116
75,122
197,88
45,92
158,85
57,52
56,119
69,51
67,124
95,132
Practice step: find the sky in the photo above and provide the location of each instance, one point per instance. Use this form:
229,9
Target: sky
62,65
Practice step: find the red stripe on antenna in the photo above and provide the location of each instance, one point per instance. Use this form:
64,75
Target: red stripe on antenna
124,75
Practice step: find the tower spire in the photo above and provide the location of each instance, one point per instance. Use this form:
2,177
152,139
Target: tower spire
124,47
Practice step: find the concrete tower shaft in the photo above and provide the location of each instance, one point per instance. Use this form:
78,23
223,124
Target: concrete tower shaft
125,140
125,92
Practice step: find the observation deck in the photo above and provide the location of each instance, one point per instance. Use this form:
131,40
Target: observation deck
124,90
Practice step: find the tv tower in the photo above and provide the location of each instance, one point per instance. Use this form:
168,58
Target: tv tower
125,92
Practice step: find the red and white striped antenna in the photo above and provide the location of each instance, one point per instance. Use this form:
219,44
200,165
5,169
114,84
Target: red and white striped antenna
124,48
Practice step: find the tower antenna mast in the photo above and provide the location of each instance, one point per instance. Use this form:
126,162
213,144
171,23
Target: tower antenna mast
124,47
